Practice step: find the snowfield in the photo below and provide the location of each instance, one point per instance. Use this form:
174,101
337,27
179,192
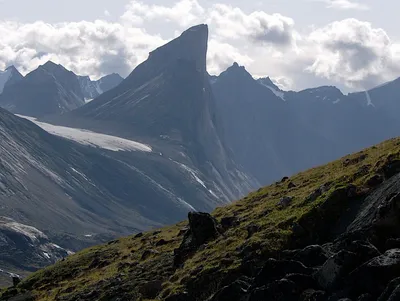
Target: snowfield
89,138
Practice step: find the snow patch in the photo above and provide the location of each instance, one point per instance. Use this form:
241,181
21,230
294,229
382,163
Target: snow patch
369,100
336,101
277,93
90,138
32,233
192,173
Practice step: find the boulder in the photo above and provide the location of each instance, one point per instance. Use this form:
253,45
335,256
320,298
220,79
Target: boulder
375,181
317,193
364,250
149,253
291,185
373,276
161,242
251,229
229,222
392,291
279,290
331,274
276,269
311,256
151,289
390,168
237,291
285,202
284,179
140,234
303,282
202,228
16,280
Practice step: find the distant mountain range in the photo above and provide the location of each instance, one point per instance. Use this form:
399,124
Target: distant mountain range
49,89
273,133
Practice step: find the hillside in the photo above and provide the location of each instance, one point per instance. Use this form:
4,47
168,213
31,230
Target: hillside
348,207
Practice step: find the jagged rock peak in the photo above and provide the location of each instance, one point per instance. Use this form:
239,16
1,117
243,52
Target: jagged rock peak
237,71
191,45
51,66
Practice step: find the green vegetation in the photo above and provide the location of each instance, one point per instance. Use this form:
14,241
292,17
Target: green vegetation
129,263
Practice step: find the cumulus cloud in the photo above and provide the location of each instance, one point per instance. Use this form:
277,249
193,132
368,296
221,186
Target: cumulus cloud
222,55
94,48
353,52
232,23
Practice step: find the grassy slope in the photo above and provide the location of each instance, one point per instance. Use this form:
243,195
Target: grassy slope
94,269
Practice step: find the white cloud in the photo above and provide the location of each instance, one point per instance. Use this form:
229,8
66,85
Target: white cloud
353,52
222,55
107,13
260,27
344,4
184,12
94,48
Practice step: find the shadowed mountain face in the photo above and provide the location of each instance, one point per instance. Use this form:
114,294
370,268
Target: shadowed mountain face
267,137
50,89
274,133
47,90
9,77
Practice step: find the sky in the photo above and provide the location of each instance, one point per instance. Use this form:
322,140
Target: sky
352,44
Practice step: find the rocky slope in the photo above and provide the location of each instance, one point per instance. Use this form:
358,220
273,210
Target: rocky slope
329,233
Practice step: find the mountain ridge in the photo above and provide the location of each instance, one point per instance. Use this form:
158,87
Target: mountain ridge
50,89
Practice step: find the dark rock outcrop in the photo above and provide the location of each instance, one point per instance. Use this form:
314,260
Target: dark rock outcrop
277,269
373,276
202,228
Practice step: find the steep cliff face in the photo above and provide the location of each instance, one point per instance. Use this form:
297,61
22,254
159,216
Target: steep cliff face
167,100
